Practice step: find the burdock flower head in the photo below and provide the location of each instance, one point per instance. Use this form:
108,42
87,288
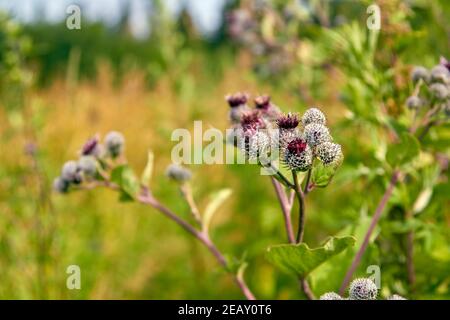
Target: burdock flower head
92,147
396,297
316,133
238,106
287,125
329,153
440,73
252,121
414,103
363,289
60,185
298,155
87,165
313,115
114,142
266,107
71,172
178,173
331,296
420,73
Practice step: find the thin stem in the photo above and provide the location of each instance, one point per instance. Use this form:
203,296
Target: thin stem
306,186
286,208
301,212
306,289
147,198
382,204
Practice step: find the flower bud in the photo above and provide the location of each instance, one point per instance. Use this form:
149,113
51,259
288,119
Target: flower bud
267,108
396,297
178,173
363,289
313,115
414,103
254,145
70,172
298,155
91,147
329,153
440,73
439,91
316,134
114,142
420,73
237,99
330,296
88,165
60,185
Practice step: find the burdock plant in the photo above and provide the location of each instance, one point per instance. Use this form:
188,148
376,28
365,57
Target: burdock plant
105,165
304,147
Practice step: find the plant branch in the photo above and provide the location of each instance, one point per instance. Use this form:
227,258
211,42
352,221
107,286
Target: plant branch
306,188
286,207
301,212
379,210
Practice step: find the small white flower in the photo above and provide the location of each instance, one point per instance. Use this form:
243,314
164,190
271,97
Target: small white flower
329,152
313,115
363,289
316,134
331,296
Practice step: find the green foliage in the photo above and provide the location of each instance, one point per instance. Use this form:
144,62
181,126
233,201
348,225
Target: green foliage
404,151
299,259
125,178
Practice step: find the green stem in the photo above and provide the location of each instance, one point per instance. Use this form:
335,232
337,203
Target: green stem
301,213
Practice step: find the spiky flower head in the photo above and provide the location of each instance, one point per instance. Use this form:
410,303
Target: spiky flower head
444,62
440,73
237,99
267,109
178,173
414,102
88,165
288,121
254,145
235,114
396,297
313,115
331,296
91,147
298,155
262,102
329,153
252,122
71,173
363,289
316,133
439,90
60,185
420,73
114,142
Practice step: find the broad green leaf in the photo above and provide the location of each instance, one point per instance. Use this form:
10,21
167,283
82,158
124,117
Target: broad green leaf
216,201
322,175
148,171
404,151
301,260
124,177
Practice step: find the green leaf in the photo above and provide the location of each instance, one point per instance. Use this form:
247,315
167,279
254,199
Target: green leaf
301,260
216,201
322,175
404,151
125,178
148,171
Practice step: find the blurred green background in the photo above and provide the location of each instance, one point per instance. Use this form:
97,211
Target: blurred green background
148,67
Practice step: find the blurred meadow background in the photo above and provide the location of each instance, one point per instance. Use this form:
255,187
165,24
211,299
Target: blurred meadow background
147,67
